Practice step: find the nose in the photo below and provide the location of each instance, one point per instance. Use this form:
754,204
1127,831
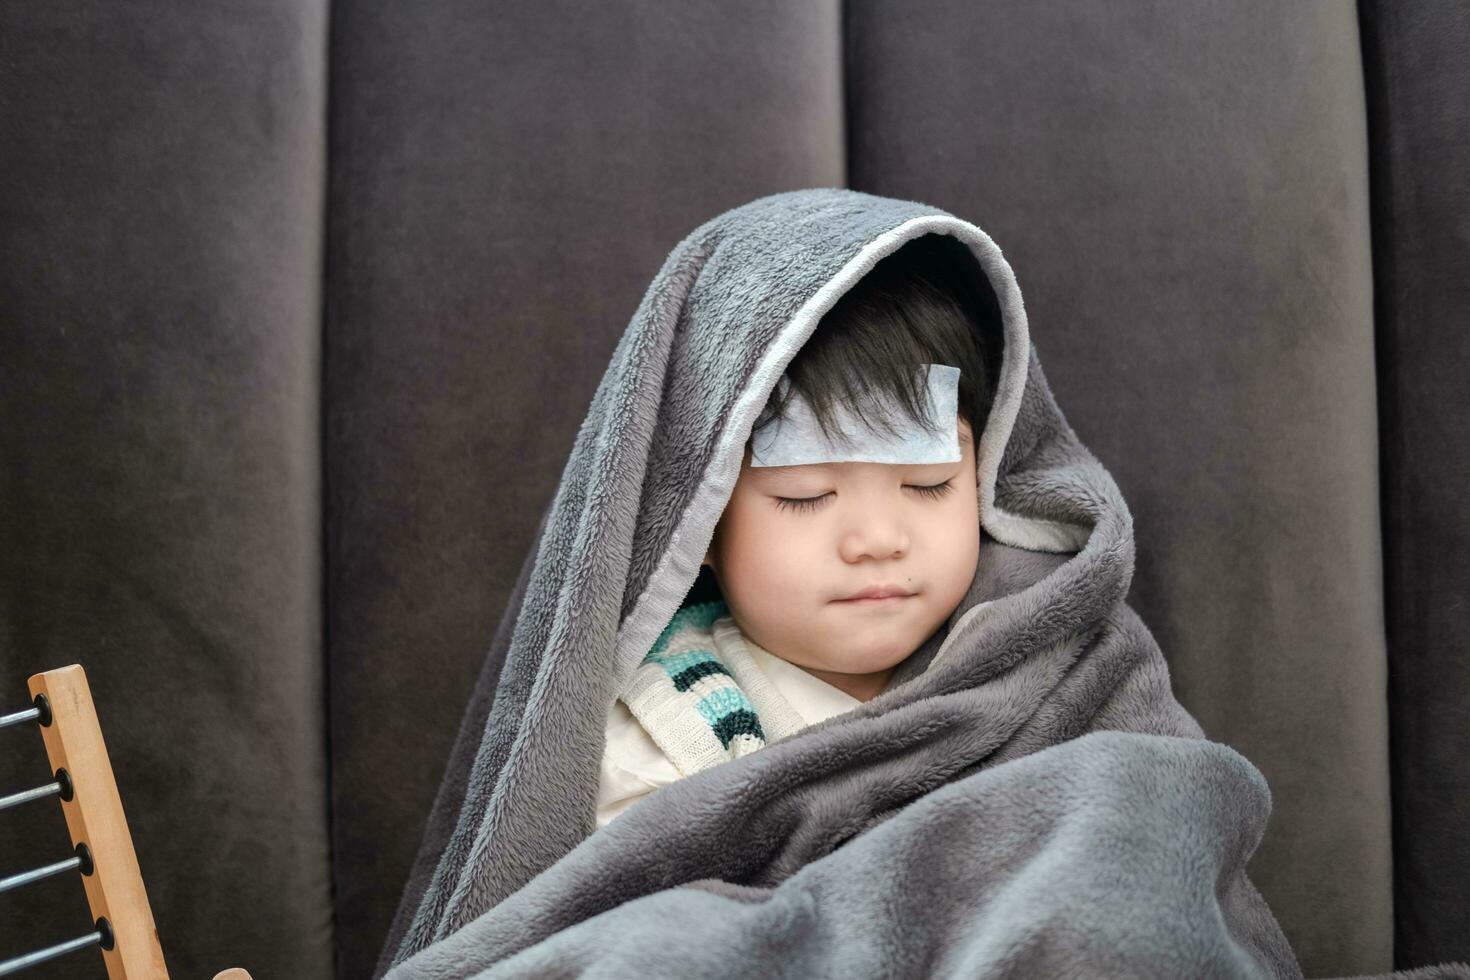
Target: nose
875,537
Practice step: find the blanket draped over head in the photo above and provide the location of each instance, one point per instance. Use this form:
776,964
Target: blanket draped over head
1027,798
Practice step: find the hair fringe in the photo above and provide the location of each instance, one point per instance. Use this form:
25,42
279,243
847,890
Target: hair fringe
929,302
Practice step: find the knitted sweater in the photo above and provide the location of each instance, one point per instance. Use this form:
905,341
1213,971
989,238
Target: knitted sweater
704,694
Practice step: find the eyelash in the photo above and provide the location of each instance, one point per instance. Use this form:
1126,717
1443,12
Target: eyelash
811,503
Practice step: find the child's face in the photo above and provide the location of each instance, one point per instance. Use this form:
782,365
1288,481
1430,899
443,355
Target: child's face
786,569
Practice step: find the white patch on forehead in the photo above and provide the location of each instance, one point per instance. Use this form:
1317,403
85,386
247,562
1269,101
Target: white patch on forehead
796,439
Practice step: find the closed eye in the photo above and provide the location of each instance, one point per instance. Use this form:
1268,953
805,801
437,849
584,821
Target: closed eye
812,503
937,490
801,503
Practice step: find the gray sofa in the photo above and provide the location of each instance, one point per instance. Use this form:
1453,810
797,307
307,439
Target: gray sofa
301,305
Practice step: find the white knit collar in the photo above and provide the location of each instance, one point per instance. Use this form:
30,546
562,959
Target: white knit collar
812,698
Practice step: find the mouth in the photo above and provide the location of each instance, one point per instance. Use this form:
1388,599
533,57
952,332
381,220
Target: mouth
878,595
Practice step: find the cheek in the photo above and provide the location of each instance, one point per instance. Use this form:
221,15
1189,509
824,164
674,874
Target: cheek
957,540
761,550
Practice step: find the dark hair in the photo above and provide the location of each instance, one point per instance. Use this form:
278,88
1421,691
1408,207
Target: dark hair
928,302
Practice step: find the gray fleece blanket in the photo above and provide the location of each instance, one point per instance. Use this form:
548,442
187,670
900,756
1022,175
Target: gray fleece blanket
1027,798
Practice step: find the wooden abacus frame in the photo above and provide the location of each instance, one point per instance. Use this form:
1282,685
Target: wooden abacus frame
62,706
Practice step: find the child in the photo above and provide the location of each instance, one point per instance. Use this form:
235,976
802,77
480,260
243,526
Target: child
980,765
782,641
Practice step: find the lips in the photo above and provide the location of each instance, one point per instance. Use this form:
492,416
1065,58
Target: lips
878,592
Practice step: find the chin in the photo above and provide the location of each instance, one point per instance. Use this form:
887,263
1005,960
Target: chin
872,661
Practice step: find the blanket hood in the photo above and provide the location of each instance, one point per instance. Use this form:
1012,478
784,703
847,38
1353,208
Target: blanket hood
650,471
759,280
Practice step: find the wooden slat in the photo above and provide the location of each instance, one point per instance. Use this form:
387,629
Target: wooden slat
94,815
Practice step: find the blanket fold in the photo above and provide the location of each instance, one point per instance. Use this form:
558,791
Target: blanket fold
1027,797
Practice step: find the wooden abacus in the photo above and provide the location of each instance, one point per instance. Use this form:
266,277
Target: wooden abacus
124,931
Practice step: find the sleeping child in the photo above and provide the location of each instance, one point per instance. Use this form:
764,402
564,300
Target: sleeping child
849,539
822,655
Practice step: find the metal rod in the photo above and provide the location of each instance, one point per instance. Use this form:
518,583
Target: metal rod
50,952
26,795
30,714
36,874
